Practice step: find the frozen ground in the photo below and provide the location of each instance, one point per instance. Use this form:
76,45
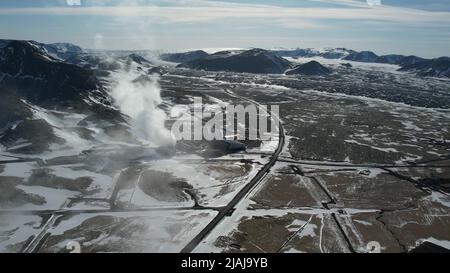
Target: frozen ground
366,159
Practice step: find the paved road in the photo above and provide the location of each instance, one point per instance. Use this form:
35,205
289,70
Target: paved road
228,209
35,244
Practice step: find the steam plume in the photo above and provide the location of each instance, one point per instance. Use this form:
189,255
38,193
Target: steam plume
139,97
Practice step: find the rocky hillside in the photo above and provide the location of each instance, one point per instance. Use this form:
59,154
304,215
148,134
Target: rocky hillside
33,82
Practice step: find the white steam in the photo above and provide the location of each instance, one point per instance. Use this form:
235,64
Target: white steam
99,41
139,99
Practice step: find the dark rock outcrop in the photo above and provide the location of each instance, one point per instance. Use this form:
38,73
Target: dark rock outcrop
37,136
347,65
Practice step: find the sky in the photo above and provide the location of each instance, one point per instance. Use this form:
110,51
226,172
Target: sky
419,27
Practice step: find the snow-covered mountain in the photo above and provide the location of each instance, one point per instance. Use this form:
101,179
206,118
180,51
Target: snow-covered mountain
61,51
335,53
33,82
423,67
273,61
328,53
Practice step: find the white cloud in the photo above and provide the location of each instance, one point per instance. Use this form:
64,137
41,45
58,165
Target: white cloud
73,2
204,11
295,23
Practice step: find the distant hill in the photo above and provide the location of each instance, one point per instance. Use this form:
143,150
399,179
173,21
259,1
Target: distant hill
389,59
312,68
439,67
184,57
363,56
329,53
258,61
336,53
410,60
299,52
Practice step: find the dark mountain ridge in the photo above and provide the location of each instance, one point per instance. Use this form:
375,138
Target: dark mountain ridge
312,68
363,56
439,67
184,57
61,51
32,80
258,61
42,79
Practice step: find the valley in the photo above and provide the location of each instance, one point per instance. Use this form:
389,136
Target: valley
360,154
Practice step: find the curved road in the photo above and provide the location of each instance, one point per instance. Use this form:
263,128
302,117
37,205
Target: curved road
228,209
